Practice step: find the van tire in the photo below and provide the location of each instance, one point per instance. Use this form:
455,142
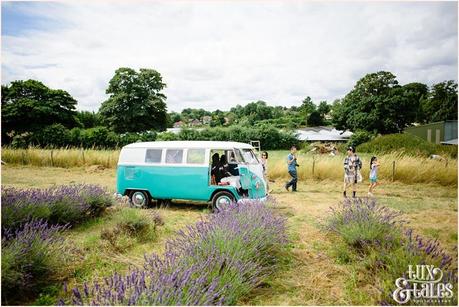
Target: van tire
222,199
139,199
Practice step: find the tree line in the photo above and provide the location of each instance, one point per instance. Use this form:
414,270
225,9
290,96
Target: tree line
136,109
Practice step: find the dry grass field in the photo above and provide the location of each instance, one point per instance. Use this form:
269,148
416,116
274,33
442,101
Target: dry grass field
310,276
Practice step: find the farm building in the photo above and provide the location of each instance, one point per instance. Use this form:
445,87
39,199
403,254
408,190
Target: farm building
440,132
322,134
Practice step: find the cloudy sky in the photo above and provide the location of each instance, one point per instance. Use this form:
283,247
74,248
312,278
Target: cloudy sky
218,54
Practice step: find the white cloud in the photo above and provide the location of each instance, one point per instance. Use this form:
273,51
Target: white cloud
219,54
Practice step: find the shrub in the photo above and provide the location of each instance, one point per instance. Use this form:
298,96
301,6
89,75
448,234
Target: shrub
57,205
388,249
362,223
214,262
31,256
55,135
359,137
408,144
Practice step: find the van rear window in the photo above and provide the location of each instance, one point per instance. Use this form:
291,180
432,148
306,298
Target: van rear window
153,156
174,156
196,156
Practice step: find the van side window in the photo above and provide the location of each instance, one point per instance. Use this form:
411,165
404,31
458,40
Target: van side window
196,156
174,156
153,156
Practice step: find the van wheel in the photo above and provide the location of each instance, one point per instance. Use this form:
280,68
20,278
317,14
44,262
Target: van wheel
139,199
222,200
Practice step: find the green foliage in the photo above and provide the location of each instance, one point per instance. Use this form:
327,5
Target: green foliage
30,106
55,135
269,137
359,137
376,104
315,119
88,119
441,103
136,103
408,144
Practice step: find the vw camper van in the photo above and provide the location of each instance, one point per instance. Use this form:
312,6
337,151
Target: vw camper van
215,172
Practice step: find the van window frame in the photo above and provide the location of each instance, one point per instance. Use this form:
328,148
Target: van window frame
160,158
204,162
175,163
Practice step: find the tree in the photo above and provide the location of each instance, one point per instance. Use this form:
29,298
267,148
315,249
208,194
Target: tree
315,119
307,106
88,119
441,103
377,104
417,92
323,108
29,106
136,103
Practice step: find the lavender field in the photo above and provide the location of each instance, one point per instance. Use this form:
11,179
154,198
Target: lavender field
293,252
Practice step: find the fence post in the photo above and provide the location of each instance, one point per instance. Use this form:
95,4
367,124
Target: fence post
52,160
82,154
23,158
313,165
446,164
393,170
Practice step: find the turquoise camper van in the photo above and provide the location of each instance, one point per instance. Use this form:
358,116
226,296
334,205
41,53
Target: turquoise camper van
215,172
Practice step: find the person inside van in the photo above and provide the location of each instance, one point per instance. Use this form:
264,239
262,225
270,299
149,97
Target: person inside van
214,168
232,165
223,168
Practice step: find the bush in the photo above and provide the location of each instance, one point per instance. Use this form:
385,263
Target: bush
407,144
55,135
214,262
362,223
57,205
31,256
382,248
359,137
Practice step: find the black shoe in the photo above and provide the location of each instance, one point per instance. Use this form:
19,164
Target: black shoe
294,191
286,187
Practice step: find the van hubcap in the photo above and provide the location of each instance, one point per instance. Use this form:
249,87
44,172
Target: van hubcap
223,202
138,199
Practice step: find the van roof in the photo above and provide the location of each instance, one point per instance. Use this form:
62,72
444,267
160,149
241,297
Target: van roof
189,144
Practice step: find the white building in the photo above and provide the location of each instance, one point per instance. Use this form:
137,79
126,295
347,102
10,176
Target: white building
322,134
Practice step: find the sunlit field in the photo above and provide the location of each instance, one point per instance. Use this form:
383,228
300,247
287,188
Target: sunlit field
311,273
394,167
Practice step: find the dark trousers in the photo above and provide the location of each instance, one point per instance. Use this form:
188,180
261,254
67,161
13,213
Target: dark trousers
293,181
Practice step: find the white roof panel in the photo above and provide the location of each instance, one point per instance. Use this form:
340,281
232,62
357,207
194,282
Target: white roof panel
189,144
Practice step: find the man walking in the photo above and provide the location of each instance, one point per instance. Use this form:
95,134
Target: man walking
352,166
291,166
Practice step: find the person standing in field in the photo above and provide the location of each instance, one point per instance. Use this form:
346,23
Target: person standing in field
374,164
264,163
352,166
291,167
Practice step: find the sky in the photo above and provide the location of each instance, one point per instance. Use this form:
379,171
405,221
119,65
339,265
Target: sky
215,55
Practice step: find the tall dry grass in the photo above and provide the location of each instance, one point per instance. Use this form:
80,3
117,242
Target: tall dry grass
408,169
65,158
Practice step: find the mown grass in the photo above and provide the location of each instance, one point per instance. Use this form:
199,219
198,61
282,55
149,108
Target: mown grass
408,168
311,274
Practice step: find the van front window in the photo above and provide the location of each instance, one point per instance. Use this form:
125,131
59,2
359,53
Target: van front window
249,156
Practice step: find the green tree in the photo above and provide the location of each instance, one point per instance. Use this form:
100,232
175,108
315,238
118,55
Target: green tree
441,103
417,92
88,119
376,104
136,103
315,119
29,106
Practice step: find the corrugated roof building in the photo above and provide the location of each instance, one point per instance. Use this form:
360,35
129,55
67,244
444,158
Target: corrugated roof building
322,134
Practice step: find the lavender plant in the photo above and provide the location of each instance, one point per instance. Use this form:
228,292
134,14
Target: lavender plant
30,256
214,262
58,205
363,223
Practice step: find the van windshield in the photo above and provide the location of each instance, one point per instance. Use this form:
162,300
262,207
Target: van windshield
249,156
